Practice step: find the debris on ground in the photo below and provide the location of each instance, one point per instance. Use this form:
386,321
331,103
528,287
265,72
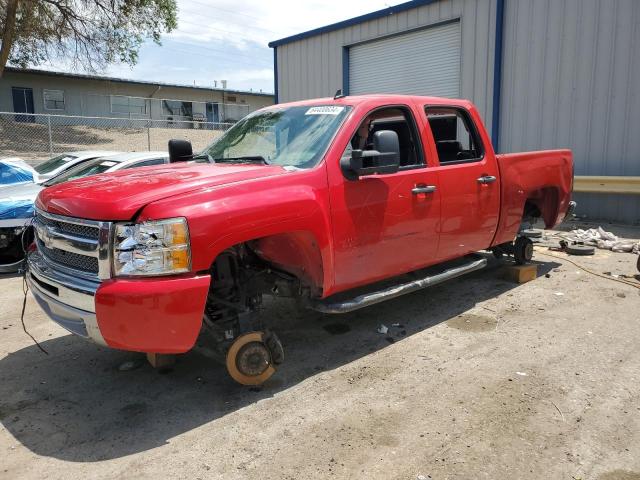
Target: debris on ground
383,329
130,365
599,237
577,249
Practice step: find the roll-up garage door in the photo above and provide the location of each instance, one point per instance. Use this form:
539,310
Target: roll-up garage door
423,62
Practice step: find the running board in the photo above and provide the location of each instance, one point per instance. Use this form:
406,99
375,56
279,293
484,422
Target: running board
394,291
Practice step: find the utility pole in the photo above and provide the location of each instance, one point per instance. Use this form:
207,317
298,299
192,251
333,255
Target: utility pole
224,108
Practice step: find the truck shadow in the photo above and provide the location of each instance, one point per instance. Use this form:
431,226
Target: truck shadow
75,405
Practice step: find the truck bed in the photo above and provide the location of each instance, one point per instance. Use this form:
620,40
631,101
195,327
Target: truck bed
544,179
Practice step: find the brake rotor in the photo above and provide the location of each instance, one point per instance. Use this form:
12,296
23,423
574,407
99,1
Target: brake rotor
249,360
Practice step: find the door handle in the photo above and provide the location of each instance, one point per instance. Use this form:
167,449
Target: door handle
486,179
423,189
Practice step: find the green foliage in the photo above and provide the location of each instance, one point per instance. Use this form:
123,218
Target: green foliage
84,33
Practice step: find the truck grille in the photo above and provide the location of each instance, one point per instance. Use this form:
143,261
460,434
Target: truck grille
85,231
73,246
70,259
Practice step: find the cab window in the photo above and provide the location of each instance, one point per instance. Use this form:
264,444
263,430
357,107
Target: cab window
397,119
455,135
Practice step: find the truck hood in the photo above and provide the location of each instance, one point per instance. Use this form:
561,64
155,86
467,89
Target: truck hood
119,195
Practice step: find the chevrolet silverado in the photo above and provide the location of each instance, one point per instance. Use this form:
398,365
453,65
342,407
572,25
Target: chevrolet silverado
340,202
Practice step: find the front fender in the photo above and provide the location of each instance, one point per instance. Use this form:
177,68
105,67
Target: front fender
294,205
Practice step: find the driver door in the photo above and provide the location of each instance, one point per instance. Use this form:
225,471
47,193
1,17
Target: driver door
386,225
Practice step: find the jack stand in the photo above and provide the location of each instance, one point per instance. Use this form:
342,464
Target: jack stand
161,360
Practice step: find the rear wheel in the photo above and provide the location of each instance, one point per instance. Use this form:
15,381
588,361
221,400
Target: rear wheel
522,250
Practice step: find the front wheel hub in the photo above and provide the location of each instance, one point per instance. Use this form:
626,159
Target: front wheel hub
249,360
253,359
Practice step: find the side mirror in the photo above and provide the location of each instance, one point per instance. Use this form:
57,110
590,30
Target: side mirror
383,159
180,151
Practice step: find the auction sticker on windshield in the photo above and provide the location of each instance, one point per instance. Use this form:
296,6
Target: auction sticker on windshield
326,110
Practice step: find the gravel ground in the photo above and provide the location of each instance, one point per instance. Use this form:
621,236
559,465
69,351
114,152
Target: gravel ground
483,379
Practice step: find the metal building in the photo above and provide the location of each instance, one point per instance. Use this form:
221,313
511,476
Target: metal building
57,93
543,73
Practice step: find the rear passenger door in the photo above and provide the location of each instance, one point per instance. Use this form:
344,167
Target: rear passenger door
469,182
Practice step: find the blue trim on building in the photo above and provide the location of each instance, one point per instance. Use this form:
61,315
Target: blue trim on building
275,75
353,21
497,76
345,70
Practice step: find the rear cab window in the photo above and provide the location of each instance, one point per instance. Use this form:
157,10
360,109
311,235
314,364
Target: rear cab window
455,135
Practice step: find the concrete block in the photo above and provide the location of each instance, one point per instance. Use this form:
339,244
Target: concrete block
161,360
521,273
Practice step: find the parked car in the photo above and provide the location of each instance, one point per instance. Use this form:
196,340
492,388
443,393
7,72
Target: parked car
58,164
17,201
320,200
15,170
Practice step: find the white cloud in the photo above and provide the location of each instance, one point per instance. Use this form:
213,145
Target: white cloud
241,22
227,39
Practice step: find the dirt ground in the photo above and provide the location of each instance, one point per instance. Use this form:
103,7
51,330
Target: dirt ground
482,379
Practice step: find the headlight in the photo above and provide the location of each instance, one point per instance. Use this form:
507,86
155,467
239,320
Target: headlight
152,248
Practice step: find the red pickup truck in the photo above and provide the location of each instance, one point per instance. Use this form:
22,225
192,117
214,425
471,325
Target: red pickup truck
342,202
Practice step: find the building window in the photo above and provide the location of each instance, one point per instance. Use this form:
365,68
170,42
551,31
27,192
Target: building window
231,99
128,105
177,108
53,99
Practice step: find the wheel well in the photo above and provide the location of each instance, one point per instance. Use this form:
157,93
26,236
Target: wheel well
294,253
541,203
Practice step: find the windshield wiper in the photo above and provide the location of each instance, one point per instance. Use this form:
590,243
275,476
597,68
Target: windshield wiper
202,156
244,159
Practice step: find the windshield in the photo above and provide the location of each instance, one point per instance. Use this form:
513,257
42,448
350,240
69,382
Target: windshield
92,167
54,163
291,136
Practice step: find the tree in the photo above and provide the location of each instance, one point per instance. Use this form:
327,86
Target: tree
88,34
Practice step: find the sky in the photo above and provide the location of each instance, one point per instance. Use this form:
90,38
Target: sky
227,39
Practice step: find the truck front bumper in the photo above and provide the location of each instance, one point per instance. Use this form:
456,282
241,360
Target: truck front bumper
159,315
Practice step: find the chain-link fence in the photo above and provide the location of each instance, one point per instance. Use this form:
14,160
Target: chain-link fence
35,137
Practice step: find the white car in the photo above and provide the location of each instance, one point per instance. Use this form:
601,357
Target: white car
58,164
17,201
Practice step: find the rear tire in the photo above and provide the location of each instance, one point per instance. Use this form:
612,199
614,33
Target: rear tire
522,250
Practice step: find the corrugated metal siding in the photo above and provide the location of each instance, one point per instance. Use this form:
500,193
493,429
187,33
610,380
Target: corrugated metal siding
312,67
571,78
423,62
